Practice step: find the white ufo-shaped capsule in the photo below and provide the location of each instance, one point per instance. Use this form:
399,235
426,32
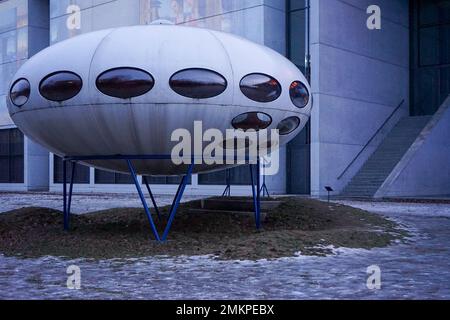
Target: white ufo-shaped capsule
124,91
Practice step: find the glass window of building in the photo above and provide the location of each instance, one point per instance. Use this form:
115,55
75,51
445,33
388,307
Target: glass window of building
81,172
171,180
299,149
430,64
107,177
11,156
239,176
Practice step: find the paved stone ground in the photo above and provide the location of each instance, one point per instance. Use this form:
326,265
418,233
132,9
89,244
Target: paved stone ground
81,203
418,269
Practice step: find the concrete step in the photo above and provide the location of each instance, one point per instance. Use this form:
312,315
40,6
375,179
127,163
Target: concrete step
234,204
248,214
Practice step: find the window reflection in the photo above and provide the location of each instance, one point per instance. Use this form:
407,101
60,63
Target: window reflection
252,120
198,83
260,87
288,125
11,156
20,92
125,83
60,86
299,94
190,12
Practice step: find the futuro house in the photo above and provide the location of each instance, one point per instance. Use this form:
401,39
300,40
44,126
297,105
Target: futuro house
124,91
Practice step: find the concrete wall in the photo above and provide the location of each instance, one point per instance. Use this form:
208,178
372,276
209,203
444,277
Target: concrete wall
36,157
425,168
359,76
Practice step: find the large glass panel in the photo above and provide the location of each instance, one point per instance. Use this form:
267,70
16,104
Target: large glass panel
11,156
297,45
13,45
237,176
166,180
431,55
433,12
106,177
435,45
298,150
81,172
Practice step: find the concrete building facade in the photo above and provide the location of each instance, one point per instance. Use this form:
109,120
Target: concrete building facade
365,79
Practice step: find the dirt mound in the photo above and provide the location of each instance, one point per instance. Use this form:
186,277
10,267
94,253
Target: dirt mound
298,224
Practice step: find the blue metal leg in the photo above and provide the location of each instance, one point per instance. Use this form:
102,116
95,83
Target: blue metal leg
258,196
144,203
227,192
65,211
74,165
151,197
177,199
255,204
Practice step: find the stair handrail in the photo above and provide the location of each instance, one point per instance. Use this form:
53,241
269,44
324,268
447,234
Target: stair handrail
371,139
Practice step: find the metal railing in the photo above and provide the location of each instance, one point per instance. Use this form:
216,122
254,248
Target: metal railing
371,139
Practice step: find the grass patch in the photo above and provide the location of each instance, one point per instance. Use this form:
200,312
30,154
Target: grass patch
298,224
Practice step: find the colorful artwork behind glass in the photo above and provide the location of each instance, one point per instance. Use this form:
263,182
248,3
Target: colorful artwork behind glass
188,12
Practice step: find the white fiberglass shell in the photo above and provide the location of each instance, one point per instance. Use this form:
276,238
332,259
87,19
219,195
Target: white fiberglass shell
93,123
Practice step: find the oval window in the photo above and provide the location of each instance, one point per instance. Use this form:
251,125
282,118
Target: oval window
198,83
252,120
288,125
60,86
299,94
260,87
125,82
20,92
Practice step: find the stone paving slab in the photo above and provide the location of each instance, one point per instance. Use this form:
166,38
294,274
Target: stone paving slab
81,203
418,269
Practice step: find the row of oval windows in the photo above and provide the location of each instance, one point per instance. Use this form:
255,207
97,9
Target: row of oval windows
128,83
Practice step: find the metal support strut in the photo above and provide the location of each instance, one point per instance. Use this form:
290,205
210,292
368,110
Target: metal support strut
176,201
175,204
67,202
144,178
264,189
227,191
144,203
256,194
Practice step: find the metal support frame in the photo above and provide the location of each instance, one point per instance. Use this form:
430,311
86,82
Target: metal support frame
227,191
264,189
145,180
178,196
144,203
67,202
256,193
